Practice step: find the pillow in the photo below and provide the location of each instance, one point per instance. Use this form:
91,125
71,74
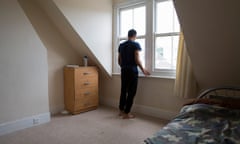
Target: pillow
228,103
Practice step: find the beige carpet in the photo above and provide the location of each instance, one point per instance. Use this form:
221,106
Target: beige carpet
101,126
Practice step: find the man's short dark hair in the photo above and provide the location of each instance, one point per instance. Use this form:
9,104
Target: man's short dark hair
132,33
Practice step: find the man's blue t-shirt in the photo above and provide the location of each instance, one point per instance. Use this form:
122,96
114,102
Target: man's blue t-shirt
127,51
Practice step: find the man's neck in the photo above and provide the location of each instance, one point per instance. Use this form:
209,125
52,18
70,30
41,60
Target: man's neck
131,39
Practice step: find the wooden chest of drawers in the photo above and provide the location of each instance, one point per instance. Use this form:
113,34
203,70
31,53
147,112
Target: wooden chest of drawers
80,89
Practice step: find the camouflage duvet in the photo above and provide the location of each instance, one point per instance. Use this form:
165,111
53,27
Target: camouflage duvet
201,124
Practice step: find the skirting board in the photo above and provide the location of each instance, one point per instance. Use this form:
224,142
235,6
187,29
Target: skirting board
146,110
9,127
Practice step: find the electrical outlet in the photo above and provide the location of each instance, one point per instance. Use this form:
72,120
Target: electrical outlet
36,121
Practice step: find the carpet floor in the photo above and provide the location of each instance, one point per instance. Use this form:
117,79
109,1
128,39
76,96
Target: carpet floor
101,126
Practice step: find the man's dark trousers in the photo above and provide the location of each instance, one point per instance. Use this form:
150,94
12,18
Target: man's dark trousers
129,81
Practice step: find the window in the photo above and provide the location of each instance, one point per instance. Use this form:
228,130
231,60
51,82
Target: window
166,36
133,17
157,32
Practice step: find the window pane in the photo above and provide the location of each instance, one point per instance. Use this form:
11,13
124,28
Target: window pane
142,53
166,52
175,50
126,21
166,18
133,18
140,20
176,25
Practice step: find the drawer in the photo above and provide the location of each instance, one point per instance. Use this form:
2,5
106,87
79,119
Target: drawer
86,93
85,104
86,72
86,82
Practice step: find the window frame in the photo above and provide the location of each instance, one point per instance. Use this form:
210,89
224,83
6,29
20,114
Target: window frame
149,36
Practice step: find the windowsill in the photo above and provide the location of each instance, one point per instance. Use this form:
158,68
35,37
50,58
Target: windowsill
151,76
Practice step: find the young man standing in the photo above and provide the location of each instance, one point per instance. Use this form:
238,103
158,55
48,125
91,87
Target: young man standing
129,60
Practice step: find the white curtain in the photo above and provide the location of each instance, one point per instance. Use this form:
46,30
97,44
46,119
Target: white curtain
185,83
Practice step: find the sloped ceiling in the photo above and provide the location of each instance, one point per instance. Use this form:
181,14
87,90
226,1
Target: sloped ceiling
211,29
87,25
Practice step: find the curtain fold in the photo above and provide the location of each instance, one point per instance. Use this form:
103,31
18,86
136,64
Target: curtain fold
185,83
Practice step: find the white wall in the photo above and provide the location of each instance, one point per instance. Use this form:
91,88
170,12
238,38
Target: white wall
92,20
59,52
23,62
153,93
66,46
211,30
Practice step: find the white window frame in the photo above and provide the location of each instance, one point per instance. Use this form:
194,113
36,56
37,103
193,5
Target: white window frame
149,38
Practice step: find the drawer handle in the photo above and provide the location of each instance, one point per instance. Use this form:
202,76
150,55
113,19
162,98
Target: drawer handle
87,83
87,93
86,73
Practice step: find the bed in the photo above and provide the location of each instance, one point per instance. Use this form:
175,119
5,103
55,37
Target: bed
212,118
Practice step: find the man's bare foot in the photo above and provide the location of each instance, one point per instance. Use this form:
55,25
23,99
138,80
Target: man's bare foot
128,116
121,113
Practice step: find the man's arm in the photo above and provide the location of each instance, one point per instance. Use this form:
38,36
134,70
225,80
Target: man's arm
139,63
119,59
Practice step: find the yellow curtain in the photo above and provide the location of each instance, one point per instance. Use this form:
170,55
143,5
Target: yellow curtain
185,83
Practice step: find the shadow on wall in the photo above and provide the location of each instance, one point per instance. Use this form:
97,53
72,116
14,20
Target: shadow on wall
60,52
